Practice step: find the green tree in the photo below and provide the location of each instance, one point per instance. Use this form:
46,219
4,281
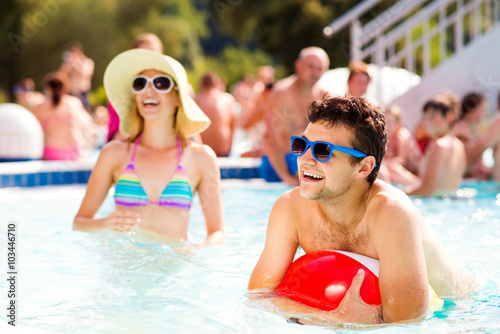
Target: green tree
232,64
38,32
10,26
283,28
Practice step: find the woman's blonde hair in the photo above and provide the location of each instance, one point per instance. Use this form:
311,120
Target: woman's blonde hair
136,123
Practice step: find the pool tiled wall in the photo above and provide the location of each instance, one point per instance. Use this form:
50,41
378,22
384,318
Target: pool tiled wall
42,173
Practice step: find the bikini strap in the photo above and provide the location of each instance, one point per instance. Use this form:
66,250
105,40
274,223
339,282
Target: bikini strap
135,147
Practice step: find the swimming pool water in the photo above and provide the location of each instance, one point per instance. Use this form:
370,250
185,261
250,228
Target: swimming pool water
75,282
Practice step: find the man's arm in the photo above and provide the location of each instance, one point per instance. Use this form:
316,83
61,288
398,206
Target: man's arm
279,251
280,247
403,278
352,308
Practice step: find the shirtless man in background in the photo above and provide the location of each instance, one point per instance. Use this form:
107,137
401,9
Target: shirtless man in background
79,69
218,106
286,114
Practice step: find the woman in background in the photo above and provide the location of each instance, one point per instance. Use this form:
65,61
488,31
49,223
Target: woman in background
68,128
469,129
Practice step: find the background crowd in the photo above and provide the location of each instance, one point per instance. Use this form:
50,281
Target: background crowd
256,115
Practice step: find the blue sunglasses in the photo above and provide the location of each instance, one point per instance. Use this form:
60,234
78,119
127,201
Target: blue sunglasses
321,150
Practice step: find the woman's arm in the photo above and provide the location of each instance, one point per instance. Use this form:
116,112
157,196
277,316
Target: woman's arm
210,196
98,187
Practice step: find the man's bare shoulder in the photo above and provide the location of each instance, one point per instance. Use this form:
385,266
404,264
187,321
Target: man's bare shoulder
386,199
227,97
391,216
284,87
285,83
283,91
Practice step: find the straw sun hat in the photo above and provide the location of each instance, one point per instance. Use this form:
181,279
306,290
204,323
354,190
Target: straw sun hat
118,84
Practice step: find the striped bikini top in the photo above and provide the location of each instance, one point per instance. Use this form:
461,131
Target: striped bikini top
177,194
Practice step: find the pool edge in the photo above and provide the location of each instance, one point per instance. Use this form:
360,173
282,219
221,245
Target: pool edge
43,173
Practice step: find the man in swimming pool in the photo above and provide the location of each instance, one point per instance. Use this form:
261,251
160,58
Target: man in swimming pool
340,205
286,114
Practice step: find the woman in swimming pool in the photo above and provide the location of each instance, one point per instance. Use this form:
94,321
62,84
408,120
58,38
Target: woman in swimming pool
68,129
157,169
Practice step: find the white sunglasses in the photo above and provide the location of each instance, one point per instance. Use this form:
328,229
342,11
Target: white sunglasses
161,83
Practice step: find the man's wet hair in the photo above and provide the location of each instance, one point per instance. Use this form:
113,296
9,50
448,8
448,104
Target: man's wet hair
357,114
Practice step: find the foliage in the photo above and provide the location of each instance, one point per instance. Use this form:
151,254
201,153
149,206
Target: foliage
266,32
283,28
39,32
232,64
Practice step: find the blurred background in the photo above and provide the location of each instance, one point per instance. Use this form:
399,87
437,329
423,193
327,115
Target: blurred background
230,37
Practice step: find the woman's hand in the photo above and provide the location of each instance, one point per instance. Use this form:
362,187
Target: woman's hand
122,221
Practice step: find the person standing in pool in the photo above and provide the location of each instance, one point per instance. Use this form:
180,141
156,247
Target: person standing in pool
79,68
444,163
286,116
340,205
68,129
469,128
219,106
157,170
490,139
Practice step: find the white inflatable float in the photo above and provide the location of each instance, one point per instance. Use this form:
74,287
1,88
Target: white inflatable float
21,135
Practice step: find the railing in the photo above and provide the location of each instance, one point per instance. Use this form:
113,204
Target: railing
416,34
